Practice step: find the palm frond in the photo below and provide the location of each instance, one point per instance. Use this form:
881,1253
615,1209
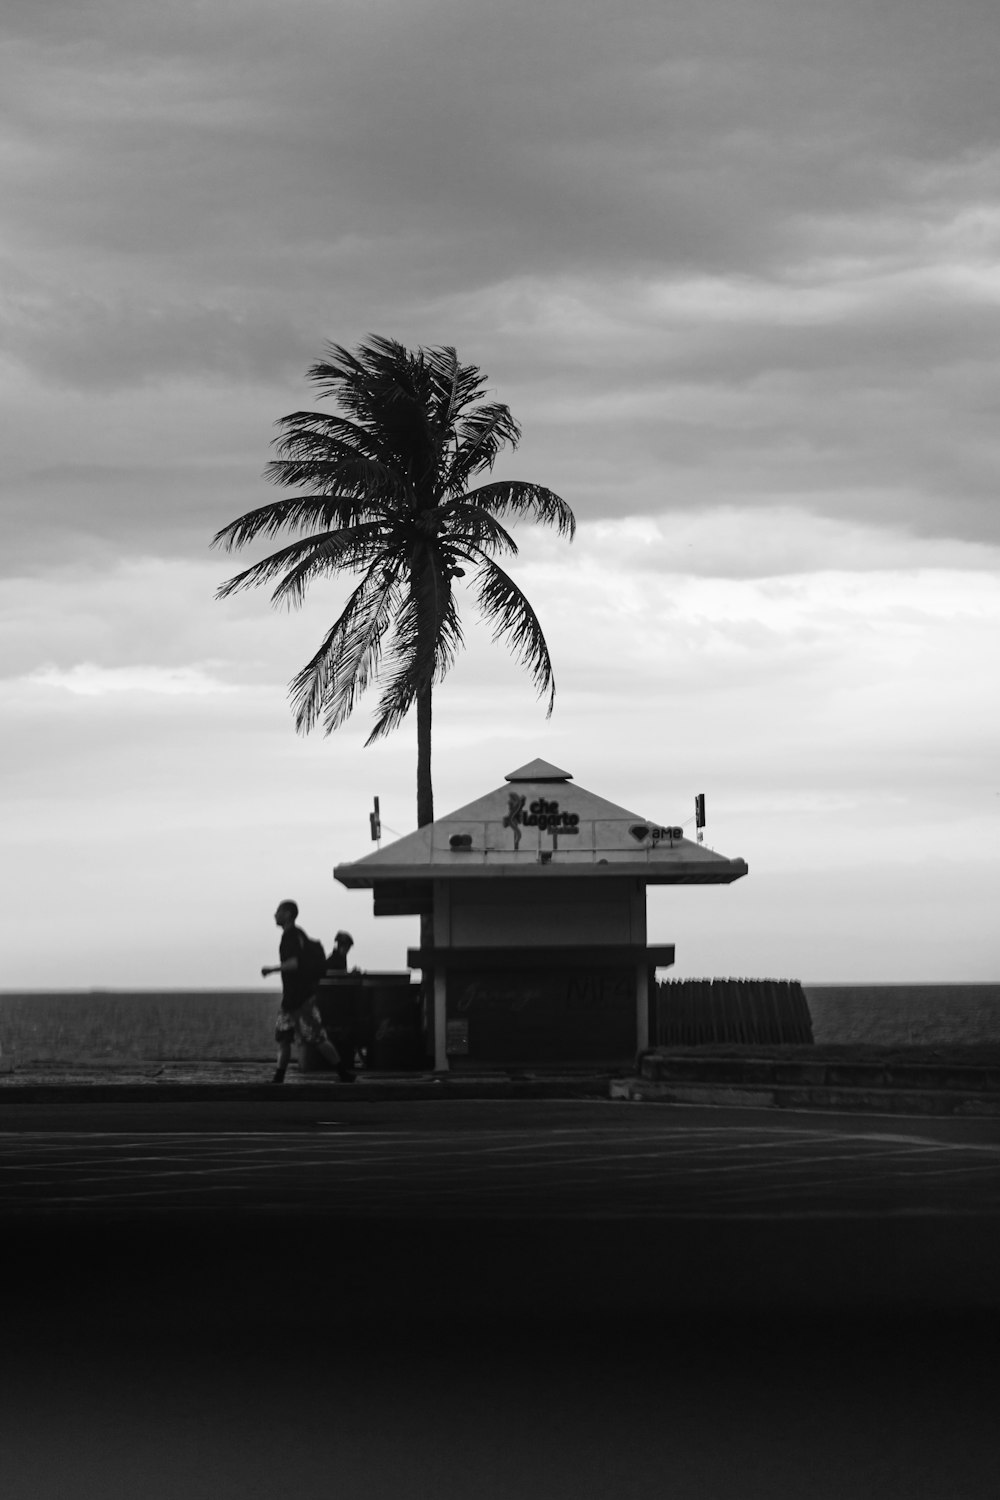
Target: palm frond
480,435
347,377
432,636
353,378
426,640
513,618
471,525
349,477
266,520
340,671
326,429
333,552
519,498
297,513
315,438
446,374
456,387
310,556
388,390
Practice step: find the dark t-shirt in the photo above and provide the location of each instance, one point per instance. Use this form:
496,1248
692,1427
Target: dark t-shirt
336,961
293,991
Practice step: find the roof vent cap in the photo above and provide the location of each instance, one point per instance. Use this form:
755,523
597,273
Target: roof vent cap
538,770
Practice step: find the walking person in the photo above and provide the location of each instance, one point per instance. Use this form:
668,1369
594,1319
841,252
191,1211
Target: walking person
299,1016
342,945
346,1003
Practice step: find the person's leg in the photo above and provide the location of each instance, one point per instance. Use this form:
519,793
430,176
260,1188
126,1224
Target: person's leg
325,1046
344,1070
284,1053
309,1027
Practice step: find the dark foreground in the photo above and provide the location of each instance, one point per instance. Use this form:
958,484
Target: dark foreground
524,1299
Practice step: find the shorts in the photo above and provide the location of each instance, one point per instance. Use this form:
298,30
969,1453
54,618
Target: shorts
304,1024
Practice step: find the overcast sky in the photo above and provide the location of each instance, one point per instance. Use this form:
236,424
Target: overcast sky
733,264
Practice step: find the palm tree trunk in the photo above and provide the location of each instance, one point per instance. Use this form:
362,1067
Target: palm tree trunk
425,815
425,789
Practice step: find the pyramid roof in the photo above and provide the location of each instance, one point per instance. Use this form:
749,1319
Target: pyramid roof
538,770
537,825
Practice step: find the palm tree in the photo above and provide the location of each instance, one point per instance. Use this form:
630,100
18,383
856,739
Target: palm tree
386,496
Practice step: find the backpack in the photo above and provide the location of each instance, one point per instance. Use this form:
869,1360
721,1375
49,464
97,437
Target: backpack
312,964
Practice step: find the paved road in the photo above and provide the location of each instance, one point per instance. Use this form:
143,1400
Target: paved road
514,1204
526,1160
497,1299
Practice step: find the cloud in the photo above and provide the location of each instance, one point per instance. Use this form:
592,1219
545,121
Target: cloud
466,148
107,340
154,612
691,608
88,680
837,723
715,254
731,542
733,266
567,133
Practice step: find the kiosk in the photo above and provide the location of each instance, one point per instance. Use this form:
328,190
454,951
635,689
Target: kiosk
538,894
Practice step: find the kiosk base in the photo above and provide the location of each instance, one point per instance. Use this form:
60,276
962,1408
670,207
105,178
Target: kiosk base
541,1015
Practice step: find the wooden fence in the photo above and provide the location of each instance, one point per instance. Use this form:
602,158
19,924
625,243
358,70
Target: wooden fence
744,1012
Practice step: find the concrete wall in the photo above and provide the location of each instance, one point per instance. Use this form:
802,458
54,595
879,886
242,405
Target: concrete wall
176,1025
904,1014
191,1024
536,913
